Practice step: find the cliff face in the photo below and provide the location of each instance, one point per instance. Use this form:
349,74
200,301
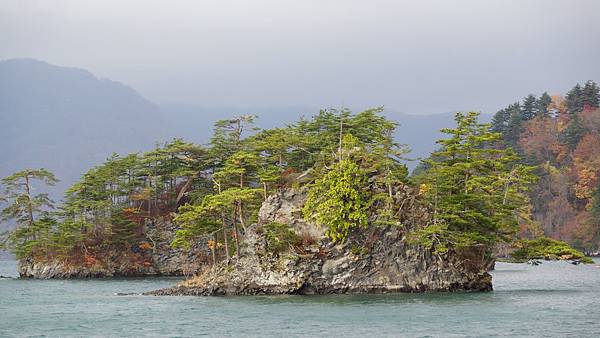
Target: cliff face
376,260
157,260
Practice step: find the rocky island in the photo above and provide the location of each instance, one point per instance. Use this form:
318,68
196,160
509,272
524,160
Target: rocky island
321,206
379,260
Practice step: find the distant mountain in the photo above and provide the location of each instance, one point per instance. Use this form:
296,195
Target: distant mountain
67,120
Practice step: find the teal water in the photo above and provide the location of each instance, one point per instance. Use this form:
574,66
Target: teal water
555,299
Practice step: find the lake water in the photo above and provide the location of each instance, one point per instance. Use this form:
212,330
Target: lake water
555,299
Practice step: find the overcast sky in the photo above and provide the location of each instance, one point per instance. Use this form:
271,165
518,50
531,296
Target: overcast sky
411,56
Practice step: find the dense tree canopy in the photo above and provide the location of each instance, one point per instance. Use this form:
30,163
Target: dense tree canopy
351,166
476,191
563,141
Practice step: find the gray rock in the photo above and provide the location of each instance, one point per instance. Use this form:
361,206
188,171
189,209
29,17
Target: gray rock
386,262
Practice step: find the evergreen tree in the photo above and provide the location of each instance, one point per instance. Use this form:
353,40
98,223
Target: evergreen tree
228,138
320,137
196,221
339,199
273,147
574,99
24,207
474,189
514,126
573,133
590,95
542,105
529,107
500,121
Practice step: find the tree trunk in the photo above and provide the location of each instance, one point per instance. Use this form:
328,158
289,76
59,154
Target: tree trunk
225,236
235,235
213,249
29,203
241,213
185,187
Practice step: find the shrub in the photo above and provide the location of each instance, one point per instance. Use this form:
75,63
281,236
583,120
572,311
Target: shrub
280,237
547,248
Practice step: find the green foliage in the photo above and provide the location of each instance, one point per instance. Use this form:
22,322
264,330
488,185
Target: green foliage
216,190
318,138
476,191
23,204
509,122
529,107
24,207
543,104
574,99
573,133
579,97
591,94
280,237
122,231
24,241
547,248
228,138
339,200
358,250
194,222
595,208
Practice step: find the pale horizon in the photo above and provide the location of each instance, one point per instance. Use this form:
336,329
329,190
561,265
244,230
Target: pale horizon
417,58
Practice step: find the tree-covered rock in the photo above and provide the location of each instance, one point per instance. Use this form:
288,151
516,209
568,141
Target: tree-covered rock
375,259
547,248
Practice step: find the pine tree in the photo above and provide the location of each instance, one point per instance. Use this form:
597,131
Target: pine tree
573,133
529,107
320,137
542,105
590,95
474,189
24,207
574,99
500,121
196,221
514,126
228,138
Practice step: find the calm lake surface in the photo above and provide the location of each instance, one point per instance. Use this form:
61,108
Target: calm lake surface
555,299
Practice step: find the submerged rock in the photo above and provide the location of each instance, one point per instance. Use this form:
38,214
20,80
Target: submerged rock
375,260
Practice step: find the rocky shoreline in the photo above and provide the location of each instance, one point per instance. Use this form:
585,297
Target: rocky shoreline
377,260
159,260
405,268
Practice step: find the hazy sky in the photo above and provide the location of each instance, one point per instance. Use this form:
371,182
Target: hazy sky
411,56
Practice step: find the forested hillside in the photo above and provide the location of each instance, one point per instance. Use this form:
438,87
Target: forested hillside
560,135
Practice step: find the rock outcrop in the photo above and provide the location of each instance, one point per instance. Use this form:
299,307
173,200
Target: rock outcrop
158,259
375,260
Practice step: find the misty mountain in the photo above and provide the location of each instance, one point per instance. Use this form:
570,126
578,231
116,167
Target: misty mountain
68,120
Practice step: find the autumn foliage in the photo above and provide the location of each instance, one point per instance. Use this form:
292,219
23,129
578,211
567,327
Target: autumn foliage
564,143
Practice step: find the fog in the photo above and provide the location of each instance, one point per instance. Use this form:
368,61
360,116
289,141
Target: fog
411,56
